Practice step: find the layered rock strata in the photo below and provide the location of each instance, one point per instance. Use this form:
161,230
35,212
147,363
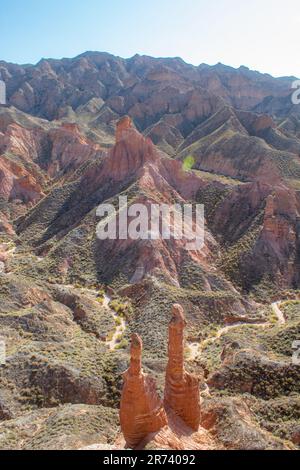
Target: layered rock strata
141,410
181,388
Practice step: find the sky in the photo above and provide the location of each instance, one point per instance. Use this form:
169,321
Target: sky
263,35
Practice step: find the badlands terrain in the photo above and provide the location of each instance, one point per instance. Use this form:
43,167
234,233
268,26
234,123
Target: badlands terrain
79,132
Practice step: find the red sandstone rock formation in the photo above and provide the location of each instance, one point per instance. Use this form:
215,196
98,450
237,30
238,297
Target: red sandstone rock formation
69,149
181,388
269,216
41,153
17,183
263,122
131,152
5,226
269,210
141,410
178,436
136,154
122,125
278,227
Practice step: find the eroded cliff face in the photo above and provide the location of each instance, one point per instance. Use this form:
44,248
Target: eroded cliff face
279,239
17,183
136,168
34,154
259,225
141,410
130,152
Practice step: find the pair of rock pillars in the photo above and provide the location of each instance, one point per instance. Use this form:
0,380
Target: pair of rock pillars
141,410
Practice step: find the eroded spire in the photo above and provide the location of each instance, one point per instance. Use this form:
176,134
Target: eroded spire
141,410
181,388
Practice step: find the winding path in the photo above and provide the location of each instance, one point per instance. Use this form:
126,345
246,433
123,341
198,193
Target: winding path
9,247
196,348
120,328
9,251
279,314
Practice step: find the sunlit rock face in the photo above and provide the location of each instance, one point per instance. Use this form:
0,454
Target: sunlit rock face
141,410
123,124
181,388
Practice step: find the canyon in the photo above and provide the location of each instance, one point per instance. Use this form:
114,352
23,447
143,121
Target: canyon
77,313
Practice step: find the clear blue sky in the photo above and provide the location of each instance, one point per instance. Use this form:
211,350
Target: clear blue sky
261,34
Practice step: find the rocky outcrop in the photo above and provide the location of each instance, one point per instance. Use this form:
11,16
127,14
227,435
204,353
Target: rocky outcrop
32,157
269,209
5,226
69,149
263,122
141,410
281,215
181,388
260,223
241,431
123,124
131,152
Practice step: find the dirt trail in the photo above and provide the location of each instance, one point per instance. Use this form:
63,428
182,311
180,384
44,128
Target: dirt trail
120,327
9,251
196,348
279,314
9,247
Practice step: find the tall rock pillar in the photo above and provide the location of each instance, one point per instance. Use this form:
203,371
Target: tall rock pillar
181,388
141,410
